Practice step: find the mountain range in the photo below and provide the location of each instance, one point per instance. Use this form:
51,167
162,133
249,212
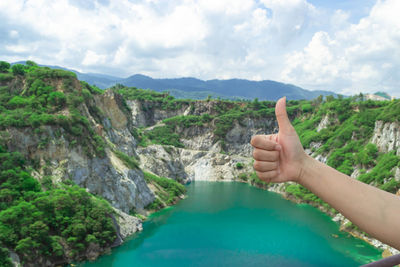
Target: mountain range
193,88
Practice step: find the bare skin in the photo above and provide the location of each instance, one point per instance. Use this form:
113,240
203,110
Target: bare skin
281,158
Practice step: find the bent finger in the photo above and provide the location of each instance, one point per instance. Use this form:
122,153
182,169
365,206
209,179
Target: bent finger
265,155
265,142
264,166
267,176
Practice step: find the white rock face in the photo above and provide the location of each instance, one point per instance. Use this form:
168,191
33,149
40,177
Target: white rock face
387,136
397,174
323,123
238,138
128,224
193,165
124,188
116,124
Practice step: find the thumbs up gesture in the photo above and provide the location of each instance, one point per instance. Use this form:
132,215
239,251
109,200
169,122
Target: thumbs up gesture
279,157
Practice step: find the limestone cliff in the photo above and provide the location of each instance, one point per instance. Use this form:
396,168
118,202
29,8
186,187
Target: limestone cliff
206,157
387,136
108,154
58,155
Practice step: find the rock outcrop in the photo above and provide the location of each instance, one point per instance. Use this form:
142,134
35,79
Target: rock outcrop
193,165
387,136
108,177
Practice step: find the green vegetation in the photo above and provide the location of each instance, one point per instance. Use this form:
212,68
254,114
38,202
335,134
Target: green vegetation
4,66
391,112
58,223
151,98
239,166
168,134
164,135
225,114
129,161
48,97
349,126
300,192
383,172
253,179
351,122
167,193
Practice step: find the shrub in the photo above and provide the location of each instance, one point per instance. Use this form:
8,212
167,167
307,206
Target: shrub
18,69
383,169
171,189
129,161
4,66
243,176
239,166
33,222
57,99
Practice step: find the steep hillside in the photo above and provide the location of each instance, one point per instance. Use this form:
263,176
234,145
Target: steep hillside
76,160
209,140
57,136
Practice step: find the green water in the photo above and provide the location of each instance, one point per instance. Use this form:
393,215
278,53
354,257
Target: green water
234,224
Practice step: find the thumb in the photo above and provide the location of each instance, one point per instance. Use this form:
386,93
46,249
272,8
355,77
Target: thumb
283,121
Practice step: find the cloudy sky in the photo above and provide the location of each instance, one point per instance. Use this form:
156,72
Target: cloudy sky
346,46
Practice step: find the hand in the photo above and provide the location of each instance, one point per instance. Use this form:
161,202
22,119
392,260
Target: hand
279,157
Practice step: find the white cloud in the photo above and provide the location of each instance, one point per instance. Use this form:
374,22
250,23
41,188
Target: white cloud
290,40
361,57
290,17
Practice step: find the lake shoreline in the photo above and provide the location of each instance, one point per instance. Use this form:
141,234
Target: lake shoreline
339,218
225,207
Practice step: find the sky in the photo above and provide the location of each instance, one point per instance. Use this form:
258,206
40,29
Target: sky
345,46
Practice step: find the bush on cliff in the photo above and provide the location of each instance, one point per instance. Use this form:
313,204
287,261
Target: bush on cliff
168,190
56,224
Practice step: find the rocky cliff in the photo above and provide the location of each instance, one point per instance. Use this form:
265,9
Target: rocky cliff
204,156
386,136
103,141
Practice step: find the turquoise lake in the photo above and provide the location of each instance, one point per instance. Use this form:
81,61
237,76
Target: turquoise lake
234,224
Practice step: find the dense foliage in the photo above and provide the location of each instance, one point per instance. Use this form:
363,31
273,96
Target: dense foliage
345,140
57,223
153,99
32,96
167,193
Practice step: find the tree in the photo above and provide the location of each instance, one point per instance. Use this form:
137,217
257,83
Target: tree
31,63
4,66
330,98
18,69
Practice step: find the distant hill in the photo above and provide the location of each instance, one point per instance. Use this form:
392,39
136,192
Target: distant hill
233,88
199,89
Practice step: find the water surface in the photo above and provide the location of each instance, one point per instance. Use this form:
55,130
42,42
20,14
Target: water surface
234,224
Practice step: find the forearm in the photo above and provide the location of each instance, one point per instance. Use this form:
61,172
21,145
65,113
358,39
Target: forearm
373,210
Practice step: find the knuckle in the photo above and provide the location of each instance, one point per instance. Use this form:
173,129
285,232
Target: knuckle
275,165
256,154
254,140
256,165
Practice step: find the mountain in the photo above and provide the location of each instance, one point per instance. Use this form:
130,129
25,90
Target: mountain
228,89
193,88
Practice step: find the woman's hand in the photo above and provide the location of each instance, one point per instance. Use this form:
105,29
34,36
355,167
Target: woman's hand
279,157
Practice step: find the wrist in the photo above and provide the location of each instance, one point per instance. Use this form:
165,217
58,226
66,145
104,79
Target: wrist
306,166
